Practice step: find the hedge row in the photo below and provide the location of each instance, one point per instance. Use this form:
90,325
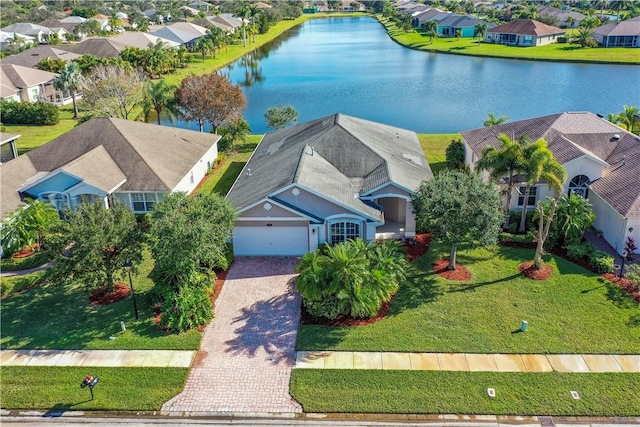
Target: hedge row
26,113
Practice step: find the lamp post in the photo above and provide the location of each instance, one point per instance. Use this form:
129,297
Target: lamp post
127,266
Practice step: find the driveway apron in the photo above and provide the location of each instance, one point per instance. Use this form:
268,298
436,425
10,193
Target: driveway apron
248,350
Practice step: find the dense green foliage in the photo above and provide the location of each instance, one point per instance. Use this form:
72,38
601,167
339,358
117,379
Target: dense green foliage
351,278
573,217
27,226
446,392
281,116
57,388
457,207
93,244
189,240
26,113
455,154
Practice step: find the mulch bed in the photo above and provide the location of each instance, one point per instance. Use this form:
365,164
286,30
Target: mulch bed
100,297
418,246
460,274
624,284
529,271
26,252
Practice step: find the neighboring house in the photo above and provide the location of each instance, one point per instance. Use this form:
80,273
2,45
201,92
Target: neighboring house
562,15
7,38
602,162
103,47
201,5
103,20
226,23
190,11
449,24
261,5
352,6
524,32
143,40
423,16
54,24
26,84
410,8
619,34
8,149
327,180
31,57
38,32
109,160
178,36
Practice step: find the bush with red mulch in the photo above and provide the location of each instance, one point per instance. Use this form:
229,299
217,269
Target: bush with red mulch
625,284
418,246
531,272
100,297
460,274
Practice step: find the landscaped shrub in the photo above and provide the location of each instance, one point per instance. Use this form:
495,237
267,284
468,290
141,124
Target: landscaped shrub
26,113
574,216
633,275
601,261
189,305
580,250
516,238
352,278
562,39
455,154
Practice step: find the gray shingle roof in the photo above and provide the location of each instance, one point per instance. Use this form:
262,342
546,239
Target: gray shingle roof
107,176
31,57
24,77
573,135
151,157
351,156
630,27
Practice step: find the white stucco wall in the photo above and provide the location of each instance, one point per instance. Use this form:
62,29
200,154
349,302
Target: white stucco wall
189,182
612,224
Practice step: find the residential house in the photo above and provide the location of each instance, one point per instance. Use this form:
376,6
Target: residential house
226,23
109,160
419,18
7,38
143,40
38,32
103,20
201,6
566,18
450,24
56,24
327,180
619,34
102,47
524,32
26,84
352,6
602,162
262,5
185,33
8,149
31,57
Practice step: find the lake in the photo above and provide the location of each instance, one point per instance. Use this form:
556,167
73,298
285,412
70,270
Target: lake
351,66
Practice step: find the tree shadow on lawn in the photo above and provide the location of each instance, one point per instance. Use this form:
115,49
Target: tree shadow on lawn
228,177
270,326
464,287
618,296
421,288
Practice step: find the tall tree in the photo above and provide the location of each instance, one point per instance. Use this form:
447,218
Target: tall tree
69,80
101,241
112,91
480,31
507,160
629,116
540,165
281,116
204,46
210,98
457,207
233,133
243,12
430,29
160,96
492,120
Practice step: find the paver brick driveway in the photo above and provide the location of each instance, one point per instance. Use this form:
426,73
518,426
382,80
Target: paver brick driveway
247,352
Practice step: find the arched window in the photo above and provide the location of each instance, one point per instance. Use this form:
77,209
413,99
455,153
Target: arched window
579,186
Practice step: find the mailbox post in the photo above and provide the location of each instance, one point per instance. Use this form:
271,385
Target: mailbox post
91,382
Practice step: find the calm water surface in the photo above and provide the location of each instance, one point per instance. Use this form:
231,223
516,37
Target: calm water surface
349,65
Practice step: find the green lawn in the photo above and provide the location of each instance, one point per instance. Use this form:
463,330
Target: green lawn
52,316
223,176
58,388
435,147
552,52
443,392
18,264
34,136
575,311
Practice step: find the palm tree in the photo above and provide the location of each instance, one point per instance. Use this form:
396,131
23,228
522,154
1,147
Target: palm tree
160,96
493,120
480,30
590,22
570,21
244,13
204,45
217,38
41,217
506,161
430,29
614,118
617,5
539,165
628,116
69,80
584,38
233,133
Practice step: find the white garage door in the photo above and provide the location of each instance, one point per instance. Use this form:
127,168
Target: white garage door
270,240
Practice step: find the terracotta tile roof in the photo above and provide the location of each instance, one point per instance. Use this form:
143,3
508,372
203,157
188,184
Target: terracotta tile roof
527,27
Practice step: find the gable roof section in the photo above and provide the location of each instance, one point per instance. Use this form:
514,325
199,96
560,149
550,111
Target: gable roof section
26,28
630,27
31,57
103,47
14,175
573,135
349,155
24,77
107,177
527,27
142,40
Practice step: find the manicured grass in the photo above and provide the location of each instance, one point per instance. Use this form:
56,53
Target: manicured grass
11,285
562,52
442,392
58,388
34,136
574,311
223,176
18,264
52,316
435,148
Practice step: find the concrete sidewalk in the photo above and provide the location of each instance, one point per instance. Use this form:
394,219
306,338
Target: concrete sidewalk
112,358
468,362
